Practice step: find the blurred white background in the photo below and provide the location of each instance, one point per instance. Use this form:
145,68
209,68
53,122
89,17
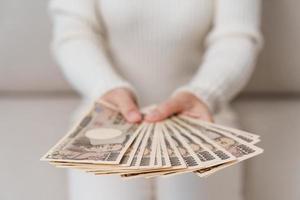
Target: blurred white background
36,103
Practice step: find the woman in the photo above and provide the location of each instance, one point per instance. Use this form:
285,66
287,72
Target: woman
193,56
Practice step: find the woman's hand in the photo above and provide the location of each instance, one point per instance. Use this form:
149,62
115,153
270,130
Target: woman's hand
125,102
182,103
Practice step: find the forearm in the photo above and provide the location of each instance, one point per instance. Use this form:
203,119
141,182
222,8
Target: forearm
87,68
226,68
81,50
231,50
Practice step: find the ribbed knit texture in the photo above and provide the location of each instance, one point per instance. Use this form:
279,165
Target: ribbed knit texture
158,47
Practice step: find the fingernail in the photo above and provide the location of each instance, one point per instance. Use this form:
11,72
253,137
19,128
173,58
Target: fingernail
133,116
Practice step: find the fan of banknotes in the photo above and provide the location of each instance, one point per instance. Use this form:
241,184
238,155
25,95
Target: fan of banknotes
103,143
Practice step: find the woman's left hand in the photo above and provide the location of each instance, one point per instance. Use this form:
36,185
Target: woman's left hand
182,103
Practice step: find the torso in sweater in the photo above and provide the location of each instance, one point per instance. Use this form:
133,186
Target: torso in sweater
156,45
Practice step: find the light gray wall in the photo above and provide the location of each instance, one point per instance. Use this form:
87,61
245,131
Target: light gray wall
25,60
279,64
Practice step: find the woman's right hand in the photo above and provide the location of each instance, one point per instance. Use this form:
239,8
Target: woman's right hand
125,101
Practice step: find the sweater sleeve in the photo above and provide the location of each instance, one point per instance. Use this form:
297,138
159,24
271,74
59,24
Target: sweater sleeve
80,48
231,51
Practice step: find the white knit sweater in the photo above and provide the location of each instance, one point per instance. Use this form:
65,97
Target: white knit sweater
157,47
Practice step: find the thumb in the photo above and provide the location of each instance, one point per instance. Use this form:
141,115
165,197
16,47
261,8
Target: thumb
200,112
128,108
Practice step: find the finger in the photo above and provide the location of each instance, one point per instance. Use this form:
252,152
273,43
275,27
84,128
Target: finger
199,113
164,110
128,108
